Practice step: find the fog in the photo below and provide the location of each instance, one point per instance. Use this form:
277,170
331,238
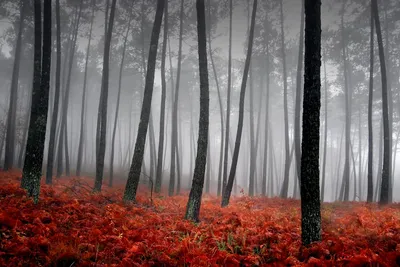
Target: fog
265,91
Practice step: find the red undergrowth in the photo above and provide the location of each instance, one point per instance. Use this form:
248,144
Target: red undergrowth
73,227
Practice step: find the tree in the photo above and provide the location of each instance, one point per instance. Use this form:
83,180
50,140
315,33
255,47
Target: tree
83,104
102,113
228,105
325,133
309,182
228,190
174,134
194,202
162,108
370,187
137,159
12,110
53,125
40,97
384,199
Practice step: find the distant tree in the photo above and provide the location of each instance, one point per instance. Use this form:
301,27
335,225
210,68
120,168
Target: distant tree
194,202
285,184
162,108
53,125
102,112
228,105
386,169
174,134
370,187
121,69
83,104
309,182
137,159
325,133
12,110
228,190
40,99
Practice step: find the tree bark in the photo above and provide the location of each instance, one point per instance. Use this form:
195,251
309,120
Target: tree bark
137,159
162,108
40,99
386,169
370,192
228,190
194,202
310,202
102,111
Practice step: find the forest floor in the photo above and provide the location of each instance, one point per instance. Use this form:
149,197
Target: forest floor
70,226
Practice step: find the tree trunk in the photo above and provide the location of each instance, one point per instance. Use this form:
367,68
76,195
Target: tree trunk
12,110
385,187
194,202
102,111
83,105
121,69
228,106
252,156
174,134
137,159
370,191
266,122
346,170
162,108
285,185
40,99
297,112
310,202
227,191
325,133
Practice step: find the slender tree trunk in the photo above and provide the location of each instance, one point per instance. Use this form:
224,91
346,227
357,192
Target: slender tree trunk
162,109
121,69
251,146
310,202
51,150
83,105
102,111
174,135
370,191
40,99
227,191
297,112
194,202
385,187
221,108
137,159
266,122
228,106
346,171
325,133
285,185
12,110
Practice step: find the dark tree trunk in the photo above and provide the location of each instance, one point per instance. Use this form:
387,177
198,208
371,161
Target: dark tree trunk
266,122
285,185
252,163
40,99
162,108
228,105
347,95
386,169
380,162
12,110
325,133
228,190
51,150
102,112
137,159
83,105
194,202
297,112
221,109
121,69
310,202
174,134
